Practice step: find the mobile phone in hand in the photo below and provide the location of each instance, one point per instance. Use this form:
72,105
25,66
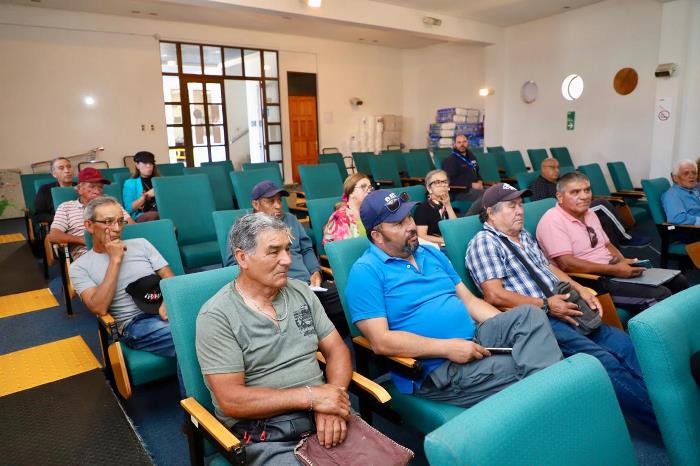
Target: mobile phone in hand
500,350
646,263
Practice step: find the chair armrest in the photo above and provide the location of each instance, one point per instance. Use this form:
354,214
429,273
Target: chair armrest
673,226
613,199
382,182
632,194
409,367
298,192
587,276
413,179
458,188
203,419
693,250
327,270
371,387
109,324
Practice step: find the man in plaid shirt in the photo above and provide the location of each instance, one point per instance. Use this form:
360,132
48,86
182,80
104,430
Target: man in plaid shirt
506,283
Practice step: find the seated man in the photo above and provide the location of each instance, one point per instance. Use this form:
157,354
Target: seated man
571,236
256,344
68,225
682,201
463,170
506,282
105,276
409,301
62,170
267,198
545,186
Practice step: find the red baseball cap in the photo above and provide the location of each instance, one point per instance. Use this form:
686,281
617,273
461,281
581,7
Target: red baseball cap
91,175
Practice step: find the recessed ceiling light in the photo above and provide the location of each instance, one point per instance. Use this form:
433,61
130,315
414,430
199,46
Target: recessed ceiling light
313,3
89,100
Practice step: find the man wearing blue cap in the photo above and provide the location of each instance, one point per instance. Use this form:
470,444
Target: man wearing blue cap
409,301
267,198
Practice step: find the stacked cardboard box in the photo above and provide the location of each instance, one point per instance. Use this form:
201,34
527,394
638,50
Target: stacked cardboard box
450,122
392,131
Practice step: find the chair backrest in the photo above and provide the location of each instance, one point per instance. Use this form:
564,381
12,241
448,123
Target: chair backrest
457,233
38,183
536,157
62,194
120,178
160,233
514,163
488,168
114,190
665,336
320,181
361,160
338,160
439,155
320,211
398,157
566,169
170,169
562,155
498,152
243,183
110,172
533,212
477,150
515,426
263,165
341,256
653,189
219,181
525,179
620,176
228,164
495,148
384,168
29,187
599,187
418,163
188,202
223,221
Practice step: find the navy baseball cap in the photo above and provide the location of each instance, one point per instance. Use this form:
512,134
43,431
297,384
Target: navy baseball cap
502,192
384,206
266,188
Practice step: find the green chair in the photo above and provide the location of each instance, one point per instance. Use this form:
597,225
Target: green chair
495,149
243,183
572,401
439,155
418,164
338,159
170,169
514,164
262,165
416,192
219,181
320,181
599,187
60,194
320,211
384,172
533,212
227,164
422,414
223,221
457,233
665,336
110,172
537,156
29,189
398,157
38,183
477,150
566,169
562,155
621,177
524,180
488,168
498,152
188,202
120,178
361,160
114,190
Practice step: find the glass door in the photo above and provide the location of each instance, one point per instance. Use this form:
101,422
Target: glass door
205,139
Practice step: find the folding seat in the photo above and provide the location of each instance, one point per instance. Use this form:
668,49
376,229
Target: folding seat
338,159
219,181
320,181
562,155
223,221
599,188
110,173
418,164
361,160
514,163
170,169
537,156
384,172
228,164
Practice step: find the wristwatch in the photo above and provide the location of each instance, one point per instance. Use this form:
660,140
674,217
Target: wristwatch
545,306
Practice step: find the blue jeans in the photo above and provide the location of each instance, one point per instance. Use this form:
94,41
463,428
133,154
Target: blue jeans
614,350
148,332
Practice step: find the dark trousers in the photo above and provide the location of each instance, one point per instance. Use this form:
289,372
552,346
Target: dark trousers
330,300
610,220
634,297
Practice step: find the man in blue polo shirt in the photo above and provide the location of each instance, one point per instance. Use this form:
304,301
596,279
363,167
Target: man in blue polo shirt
681,202
409,301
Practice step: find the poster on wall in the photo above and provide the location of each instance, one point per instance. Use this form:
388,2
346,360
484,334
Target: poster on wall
664,109
570,121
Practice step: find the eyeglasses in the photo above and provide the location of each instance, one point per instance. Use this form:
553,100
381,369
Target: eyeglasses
111,222
439,183
592,236
365,187
395,202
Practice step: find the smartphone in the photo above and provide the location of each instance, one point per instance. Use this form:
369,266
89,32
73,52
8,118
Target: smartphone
500,350
646,263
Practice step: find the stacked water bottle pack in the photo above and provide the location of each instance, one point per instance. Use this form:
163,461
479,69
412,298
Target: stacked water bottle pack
453,121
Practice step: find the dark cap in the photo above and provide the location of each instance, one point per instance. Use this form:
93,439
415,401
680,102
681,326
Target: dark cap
267,188
91,175
144,157
502,192
384,206
146,293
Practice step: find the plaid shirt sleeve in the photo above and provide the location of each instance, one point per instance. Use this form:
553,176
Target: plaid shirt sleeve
485,258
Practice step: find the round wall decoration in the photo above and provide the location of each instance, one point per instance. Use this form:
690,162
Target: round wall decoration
625,81
529,92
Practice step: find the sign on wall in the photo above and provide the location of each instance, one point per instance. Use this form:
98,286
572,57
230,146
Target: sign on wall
664,109
570,121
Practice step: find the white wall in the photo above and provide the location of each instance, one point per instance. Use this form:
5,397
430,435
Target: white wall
689,115
594,42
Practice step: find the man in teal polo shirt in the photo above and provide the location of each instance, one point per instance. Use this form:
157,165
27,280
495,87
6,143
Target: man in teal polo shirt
409,301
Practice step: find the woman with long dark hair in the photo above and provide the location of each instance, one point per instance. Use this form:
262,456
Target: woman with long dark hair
139,196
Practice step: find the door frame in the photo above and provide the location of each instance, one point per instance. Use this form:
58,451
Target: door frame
315,95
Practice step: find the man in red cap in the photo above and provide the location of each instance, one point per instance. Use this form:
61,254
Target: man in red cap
68,225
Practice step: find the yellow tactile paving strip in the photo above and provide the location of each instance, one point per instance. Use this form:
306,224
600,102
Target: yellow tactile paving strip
44,364
20,303
12,238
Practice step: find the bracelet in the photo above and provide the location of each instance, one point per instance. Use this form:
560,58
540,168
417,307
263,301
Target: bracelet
311,398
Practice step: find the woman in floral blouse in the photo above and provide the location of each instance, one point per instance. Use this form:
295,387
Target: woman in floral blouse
345,222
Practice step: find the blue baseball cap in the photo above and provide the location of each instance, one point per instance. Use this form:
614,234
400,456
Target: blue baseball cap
267,188
384,206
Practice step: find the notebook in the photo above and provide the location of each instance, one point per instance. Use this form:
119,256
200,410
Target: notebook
650,277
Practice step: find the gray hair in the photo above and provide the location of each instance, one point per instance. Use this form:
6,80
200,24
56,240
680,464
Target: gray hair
89,212
680,164
570,178
244,233
483,213
431,174
53,162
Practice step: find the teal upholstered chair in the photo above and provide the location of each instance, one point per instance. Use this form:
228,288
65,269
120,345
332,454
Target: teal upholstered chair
244,182
439,155
420,413
223,221
533,212
562,155
59,195
170,169
320,211
416,192
36,231
488,168
262,165
320,181
361,160
498,152
120,178
337,159
418,164
219,181
537,156
457,233
621,177
477,150
228,164
110,172
384,172
524,180
665,336
599,187
38,183
188,202
514,164
398,157
572,401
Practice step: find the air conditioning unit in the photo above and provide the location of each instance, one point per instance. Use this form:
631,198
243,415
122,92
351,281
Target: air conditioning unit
665,70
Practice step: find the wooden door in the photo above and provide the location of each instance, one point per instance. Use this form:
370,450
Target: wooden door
303,128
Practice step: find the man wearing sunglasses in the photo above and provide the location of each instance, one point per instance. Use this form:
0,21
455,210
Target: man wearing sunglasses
572,236
509,267
408,300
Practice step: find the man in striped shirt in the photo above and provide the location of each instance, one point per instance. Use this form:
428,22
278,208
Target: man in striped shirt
68,225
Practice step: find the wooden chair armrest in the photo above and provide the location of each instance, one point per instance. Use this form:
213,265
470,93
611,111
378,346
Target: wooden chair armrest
296,191
327,270
618,200
298,209
693,250
323,257
384,182
373,388
587,276
458,188
410,363
634,194
413,179
203,419
673,226
109,324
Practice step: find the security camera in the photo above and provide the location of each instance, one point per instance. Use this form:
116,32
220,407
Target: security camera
356,102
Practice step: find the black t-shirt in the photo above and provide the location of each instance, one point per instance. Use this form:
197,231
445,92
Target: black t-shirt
462,172
428,214
542,189
43,203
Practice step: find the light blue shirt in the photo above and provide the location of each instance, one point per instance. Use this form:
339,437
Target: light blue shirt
682,206
422,301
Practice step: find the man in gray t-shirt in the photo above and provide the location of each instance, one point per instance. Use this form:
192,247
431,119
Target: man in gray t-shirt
256,344
101,276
